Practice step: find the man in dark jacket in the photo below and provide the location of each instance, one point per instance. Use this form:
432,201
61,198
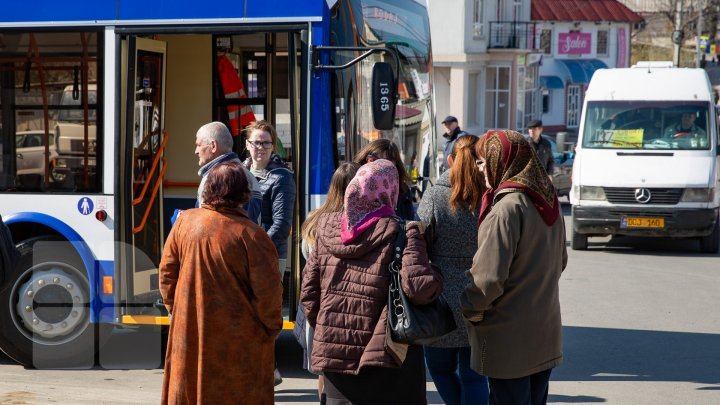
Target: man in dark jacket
542,146
453,132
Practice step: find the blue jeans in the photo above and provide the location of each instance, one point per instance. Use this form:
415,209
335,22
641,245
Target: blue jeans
455,381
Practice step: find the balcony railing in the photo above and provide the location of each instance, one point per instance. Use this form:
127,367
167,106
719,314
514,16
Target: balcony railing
512,35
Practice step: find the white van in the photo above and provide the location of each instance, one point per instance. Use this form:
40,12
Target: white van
646,160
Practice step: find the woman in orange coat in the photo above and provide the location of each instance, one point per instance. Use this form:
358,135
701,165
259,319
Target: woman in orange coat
220,282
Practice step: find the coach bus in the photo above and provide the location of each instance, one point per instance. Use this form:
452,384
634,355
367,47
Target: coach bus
99,105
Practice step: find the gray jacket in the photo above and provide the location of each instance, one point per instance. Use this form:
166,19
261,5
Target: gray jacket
453,245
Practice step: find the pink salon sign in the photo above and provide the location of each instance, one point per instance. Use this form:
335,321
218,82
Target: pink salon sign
574,43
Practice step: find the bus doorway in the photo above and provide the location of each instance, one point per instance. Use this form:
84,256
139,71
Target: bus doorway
174,84
143,161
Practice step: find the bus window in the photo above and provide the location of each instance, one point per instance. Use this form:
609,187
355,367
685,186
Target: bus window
42,87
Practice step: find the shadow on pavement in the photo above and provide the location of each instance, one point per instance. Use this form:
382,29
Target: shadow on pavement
295,395
602,354
574,399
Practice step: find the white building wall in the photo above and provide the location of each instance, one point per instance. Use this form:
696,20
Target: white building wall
447,24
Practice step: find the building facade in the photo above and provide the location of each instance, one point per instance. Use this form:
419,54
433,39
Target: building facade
575,39
501,63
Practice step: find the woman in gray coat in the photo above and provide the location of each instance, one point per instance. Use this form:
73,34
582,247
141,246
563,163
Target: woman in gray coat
450,210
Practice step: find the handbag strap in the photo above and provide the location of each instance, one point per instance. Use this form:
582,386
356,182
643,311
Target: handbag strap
399,245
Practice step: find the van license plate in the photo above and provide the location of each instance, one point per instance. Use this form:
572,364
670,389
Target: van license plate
631,222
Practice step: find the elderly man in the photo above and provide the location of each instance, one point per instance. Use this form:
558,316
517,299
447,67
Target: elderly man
213,145
542,146
453,132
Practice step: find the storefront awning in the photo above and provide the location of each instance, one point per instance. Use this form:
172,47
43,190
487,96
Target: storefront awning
551,82
581,70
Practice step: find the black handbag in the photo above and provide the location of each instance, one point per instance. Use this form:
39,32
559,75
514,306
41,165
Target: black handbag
408,323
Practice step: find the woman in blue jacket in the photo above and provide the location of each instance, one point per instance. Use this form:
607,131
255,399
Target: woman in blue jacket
277,185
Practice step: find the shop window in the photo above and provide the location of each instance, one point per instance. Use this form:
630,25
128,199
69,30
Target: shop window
546,41
601,48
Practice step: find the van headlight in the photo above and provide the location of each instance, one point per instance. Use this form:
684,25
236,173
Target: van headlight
592,193
698,195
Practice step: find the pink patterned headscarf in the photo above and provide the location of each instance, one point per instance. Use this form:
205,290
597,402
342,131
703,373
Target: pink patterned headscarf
371,195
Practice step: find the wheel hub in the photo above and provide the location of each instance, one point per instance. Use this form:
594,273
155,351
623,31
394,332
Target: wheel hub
52,303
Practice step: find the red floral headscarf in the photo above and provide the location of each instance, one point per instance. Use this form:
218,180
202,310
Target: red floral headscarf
511,163
371,195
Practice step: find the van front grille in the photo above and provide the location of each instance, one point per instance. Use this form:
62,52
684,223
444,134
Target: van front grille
621,195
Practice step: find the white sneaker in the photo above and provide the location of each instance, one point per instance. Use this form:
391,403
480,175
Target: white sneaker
278,378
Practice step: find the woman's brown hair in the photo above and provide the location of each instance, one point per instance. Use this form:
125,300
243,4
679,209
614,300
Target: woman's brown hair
262,126
226,186
334,202
466,180
391,152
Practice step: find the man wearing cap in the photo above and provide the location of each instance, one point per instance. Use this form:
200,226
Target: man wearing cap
542,146
453,132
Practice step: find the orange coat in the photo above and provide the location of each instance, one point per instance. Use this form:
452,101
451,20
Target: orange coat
219,279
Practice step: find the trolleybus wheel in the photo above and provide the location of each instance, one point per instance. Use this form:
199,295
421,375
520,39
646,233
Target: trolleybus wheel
45,304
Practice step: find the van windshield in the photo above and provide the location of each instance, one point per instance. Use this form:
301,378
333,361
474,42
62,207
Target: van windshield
76,115
678,125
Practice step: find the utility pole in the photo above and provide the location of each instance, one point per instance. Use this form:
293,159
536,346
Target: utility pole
699,53
677,36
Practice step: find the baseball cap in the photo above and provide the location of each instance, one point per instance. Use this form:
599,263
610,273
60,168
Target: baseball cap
534,123
449,118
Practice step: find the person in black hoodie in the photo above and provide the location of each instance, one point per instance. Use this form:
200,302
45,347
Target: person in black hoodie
386,149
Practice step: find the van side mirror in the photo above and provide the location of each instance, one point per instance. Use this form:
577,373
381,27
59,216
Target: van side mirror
384,96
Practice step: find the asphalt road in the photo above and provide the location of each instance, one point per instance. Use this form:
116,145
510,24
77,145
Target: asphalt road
641,326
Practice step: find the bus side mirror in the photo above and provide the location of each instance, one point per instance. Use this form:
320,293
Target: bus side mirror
384,92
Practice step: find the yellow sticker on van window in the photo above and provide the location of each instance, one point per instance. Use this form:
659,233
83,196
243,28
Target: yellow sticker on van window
628,137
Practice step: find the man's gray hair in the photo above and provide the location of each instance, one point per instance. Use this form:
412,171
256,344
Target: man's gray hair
218,132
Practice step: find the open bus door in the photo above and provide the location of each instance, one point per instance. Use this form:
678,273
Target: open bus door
143,165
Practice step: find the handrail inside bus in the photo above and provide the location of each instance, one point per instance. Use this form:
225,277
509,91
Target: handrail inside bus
152,198
158,156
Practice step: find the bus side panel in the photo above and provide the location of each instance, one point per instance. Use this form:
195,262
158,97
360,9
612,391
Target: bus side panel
191,9
321,165
51,10
96,269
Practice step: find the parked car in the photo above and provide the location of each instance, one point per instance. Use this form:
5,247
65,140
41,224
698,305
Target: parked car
30,152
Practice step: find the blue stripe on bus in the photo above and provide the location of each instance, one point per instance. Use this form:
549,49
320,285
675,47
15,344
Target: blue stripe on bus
103,305
93,10
322,163
80,246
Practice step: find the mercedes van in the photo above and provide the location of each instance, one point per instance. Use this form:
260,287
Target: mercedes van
646,160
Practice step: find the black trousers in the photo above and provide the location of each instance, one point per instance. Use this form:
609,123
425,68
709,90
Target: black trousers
530,390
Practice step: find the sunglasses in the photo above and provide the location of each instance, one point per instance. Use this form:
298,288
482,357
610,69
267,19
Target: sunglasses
260,145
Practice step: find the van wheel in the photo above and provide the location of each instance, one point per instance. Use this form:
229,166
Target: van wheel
578,241
45,308
711,243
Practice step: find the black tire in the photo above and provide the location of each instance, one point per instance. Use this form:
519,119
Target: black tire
45,308
711,243
579,241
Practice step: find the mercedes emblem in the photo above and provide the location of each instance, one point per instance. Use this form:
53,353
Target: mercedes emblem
642,195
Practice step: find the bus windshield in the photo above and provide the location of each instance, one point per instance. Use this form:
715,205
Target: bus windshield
679,125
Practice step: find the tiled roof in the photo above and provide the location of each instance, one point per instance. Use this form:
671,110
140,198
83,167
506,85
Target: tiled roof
582,10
